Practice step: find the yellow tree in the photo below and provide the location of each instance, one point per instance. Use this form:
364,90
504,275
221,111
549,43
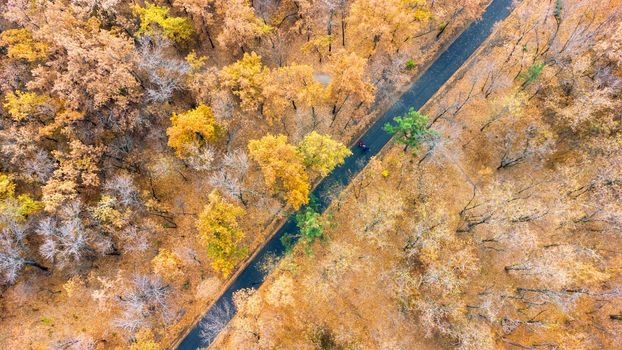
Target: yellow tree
144,340
283,168
349,81
192,129
22,46
220,232
291,86
22,105
384,24
246,78
155,18
321,153
240,24
167,264
15,207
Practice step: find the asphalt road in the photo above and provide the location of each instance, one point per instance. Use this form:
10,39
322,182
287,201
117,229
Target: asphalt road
375,137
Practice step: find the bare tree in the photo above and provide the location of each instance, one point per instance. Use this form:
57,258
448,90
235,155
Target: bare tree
122,186
67,241
13,253
165,74
145,303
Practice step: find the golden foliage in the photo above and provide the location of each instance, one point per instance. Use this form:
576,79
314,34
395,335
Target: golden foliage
145,340
220,232
23,46
283,168
289,86
192,129
14,207
240,23
21,105
78,167
155,18
246,78
349,79
321,153
167,264
382,24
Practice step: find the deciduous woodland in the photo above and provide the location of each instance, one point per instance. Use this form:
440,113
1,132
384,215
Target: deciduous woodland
493,221
148,148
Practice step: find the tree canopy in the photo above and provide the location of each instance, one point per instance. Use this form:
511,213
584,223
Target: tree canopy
321,153
282,167
192,128
411,130
220,232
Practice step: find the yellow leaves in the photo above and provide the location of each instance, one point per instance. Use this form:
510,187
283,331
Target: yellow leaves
7,187
276,90
283,168
145,340
106,213
192,129
156,18
319,44
195,62
23,46
78,167
349,78
240,23
15,208
246,79
21,105
220,231
321,153
289,86
385,24
167,264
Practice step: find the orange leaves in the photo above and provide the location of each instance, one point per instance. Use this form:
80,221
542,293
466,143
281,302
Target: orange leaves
349,79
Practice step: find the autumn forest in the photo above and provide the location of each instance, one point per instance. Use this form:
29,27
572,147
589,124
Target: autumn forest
152,152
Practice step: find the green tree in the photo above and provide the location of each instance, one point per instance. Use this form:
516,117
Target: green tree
220,231
311,226
411,130
321,153
531,75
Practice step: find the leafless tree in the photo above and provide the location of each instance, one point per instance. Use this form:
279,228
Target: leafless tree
201,159
146,302
67,240
122,186
13,252
164,73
